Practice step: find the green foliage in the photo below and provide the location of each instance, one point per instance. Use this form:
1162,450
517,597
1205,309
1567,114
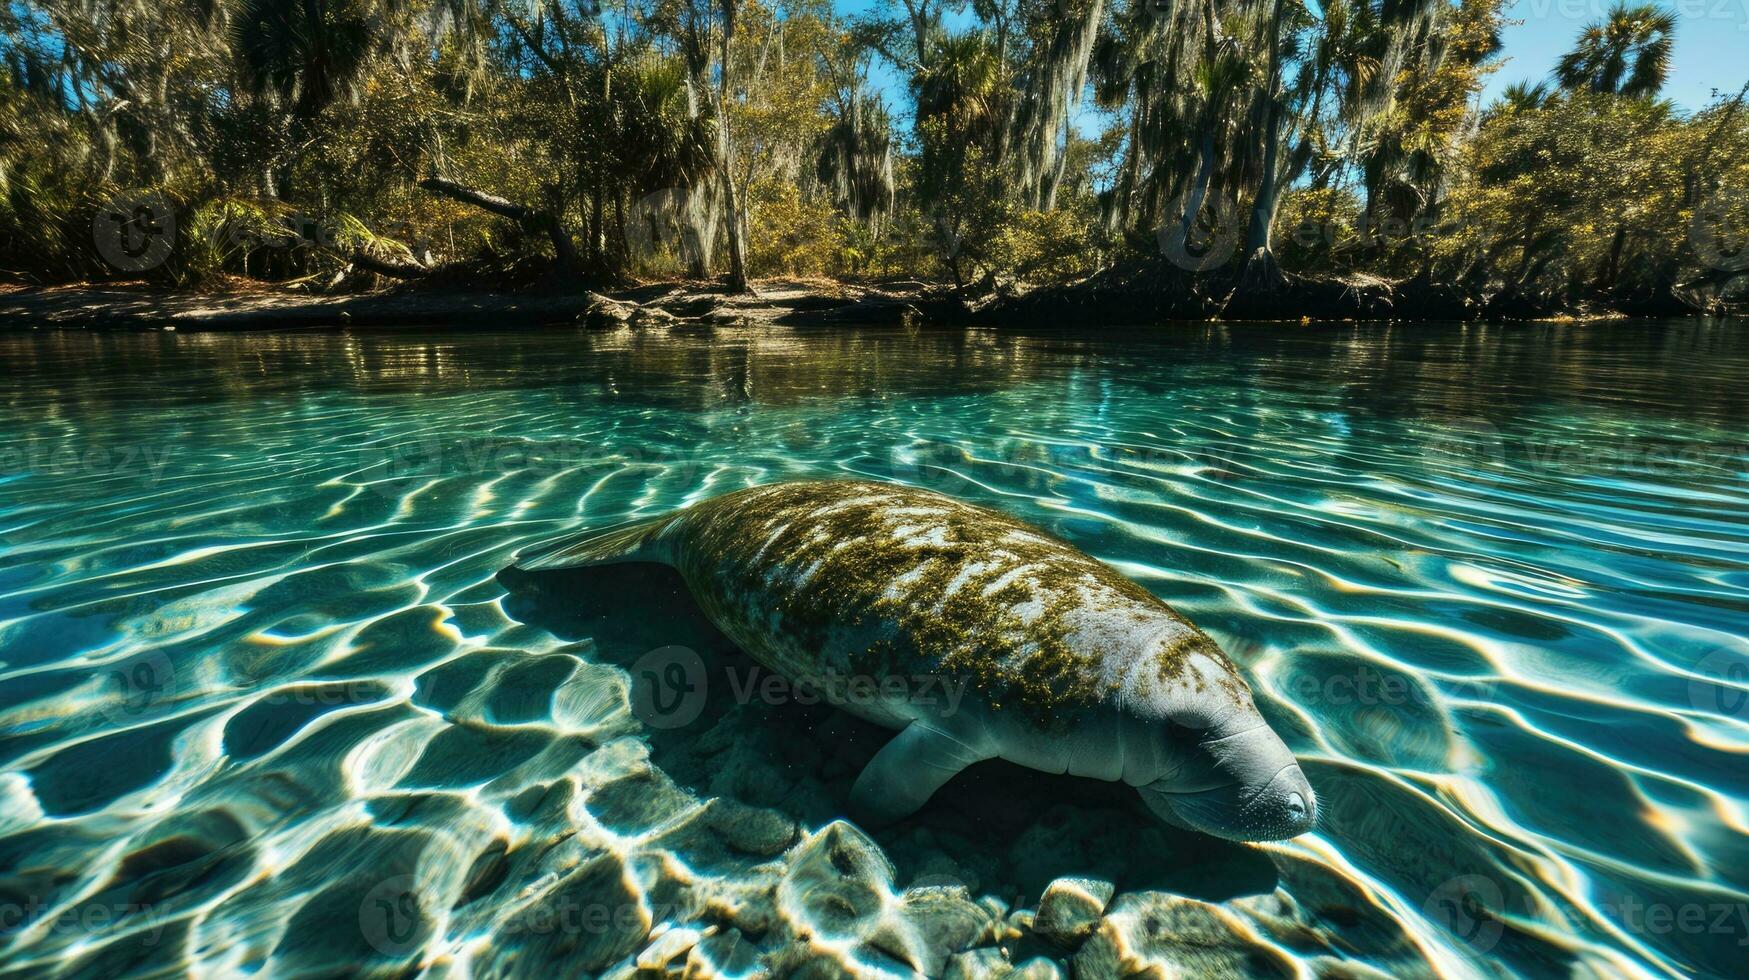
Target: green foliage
295,135
792,235
1046,246
1320,229
1549,185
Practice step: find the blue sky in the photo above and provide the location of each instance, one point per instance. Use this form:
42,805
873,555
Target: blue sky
1712,45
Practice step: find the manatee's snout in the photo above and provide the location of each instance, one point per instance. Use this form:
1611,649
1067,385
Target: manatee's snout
1252,789
1285,807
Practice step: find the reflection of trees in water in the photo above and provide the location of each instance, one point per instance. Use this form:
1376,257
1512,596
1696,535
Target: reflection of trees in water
675,368
1686,369
782,366
1681,369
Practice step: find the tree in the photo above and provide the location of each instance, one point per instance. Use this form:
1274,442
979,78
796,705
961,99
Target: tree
1626,53
962,112
854,157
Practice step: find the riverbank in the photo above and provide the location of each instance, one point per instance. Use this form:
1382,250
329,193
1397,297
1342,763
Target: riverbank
131,306
1110,298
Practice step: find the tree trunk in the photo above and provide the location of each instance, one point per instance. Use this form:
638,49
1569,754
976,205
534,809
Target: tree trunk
529,218
737,248
1257,239
388,267
1612,263
1205,168
597,230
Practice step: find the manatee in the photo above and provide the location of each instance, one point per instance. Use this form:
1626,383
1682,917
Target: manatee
883,597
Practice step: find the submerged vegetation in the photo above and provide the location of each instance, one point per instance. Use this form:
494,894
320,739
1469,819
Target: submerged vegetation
1222,150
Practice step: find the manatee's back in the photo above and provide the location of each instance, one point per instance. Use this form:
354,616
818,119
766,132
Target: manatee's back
911,588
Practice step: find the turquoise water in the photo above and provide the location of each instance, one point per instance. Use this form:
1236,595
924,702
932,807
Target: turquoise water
263,705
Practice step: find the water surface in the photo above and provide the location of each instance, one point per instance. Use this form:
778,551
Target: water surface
263,704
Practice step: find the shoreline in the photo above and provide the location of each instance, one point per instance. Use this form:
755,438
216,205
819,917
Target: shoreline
781,302
777,302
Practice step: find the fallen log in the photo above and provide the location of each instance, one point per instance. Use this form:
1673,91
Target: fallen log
391,268
531,220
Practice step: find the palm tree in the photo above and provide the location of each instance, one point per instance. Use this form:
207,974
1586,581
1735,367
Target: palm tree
654,147
854,157
1183,76
309,53
963,87
1263,208
855,161
1409,96
1626,53
963,106
1524,96
1356,53
705,30
1052,73
725,157
305,55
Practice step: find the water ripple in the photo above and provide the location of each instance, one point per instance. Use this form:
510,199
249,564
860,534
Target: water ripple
263,704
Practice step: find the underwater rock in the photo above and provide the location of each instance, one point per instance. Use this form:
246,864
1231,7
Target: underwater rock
725,954
1330,968
991,964
1153,933
750,829
1070,909
835,887
1037,968
837,896
937,867
978,964
634,802
584,921
941,921
668,946
998,912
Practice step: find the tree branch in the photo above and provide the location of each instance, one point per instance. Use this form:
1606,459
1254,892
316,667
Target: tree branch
530,219
479,199
388,267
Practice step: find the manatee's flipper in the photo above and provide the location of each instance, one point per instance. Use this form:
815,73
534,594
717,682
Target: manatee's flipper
907,771
628,542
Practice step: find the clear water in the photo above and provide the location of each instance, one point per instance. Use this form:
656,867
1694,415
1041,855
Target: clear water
263,704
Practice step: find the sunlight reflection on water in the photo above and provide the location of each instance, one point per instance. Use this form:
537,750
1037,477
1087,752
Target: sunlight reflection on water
262,702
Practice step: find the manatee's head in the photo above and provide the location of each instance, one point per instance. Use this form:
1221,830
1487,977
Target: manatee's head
1209,761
